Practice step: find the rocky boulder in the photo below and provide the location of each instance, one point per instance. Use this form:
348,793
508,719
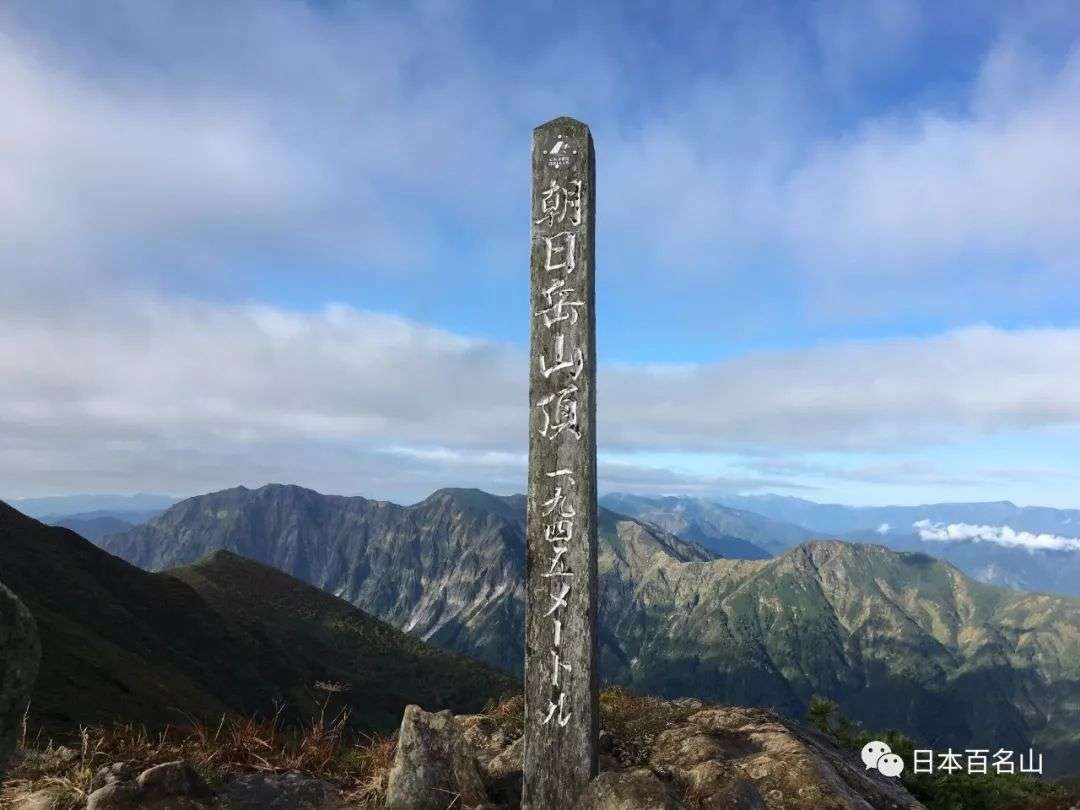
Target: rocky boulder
701,757
20,654
788,766
169,786
434,765
279,791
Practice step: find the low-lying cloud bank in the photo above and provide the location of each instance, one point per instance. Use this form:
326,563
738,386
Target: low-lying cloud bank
1000,535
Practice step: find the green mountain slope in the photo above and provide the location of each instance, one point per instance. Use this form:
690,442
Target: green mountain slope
899,640
225,634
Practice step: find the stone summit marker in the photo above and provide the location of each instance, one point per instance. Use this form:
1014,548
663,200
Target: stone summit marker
561,698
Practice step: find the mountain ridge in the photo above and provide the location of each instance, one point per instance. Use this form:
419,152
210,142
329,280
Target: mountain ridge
122,644
1019,565
851,622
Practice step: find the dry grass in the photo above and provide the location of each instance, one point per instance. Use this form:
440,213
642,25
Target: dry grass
323,749
634,721
509,713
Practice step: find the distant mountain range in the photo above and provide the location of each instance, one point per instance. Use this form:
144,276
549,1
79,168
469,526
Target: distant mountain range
1031,548
734,533
57,506
224,634
898,639
835,519
95,525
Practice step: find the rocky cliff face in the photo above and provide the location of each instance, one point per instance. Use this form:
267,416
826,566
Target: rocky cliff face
19,657
449,569
899,640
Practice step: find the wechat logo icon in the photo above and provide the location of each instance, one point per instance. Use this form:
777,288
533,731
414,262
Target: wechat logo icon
876,754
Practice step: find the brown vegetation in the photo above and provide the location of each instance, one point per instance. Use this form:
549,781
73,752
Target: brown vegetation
324,748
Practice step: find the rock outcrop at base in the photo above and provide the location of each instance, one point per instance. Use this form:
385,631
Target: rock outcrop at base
705,758
177,786
20,654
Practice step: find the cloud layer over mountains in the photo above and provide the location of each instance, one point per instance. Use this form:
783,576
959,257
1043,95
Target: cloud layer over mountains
1001,535
256,390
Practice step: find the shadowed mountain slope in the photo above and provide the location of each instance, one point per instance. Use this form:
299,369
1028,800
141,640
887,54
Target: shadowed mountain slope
92,528
225,634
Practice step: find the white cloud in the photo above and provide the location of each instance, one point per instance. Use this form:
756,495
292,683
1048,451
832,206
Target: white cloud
145,149
857,395
999,535
235,392
166,147
905,196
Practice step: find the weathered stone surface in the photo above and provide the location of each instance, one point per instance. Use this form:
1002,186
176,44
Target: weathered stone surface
561,711
638,789
737,794
708,757
49,798
791,767
433,765
503,773
172,779
114,772
20,654
169,786
115,796
289,791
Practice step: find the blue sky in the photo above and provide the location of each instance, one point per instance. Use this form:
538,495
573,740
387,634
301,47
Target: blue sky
286,241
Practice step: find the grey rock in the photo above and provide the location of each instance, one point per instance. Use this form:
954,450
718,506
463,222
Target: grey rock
638,789
790,767
288,791
169,786
509,760
49,798
433,765
712,757
503,773
114,772
738,794
116,796
172,779
20,655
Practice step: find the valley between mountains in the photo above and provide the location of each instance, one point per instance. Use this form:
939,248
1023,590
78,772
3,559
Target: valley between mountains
900,640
